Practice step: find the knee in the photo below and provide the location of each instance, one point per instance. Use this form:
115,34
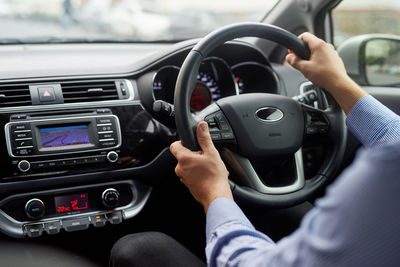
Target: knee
134,248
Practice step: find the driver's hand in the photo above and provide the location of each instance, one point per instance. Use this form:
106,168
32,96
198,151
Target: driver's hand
203,172
324,68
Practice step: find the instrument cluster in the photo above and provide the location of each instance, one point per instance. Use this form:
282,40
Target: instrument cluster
215,80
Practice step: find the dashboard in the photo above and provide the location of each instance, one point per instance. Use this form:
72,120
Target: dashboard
82,145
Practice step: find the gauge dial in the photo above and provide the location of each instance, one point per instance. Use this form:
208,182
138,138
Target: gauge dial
201,97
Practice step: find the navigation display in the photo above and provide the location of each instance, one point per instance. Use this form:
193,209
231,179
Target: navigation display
64,136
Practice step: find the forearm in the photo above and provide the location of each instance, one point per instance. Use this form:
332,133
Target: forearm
346,93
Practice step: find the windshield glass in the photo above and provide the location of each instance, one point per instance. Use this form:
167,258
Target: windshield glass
121,20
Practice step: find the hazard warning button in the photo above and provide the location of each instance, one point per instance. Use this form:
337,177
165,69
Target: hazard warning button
46,94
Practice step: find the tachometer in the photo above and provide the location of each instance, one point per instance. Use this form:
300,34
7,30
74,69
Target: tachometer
201,97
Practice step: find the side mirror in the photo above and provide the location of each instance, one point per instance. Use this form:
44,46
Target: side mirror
372,59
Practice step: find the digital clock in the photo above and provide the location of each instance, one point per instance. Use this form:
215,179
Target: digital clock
72,203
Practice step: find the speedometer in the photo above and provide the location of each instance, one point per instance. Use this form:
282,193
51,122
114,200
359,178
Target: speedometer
211,84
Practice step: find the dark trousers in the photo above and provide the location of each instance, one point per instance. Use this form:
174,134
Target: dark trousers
152,249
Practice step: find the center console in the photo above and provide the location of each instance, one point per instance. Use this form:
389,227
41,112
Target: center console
71,166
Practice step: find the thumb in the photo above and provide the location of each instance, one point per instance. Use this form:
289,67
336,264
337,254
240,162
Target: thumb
204,137
296,62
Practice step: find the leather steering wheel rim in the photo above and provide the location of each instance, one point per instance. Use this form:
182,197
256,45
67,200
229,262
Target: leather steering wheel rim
186,123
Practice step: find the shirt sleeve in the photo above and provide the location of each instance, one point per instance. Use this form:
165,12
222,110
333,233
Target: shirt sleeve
355,224
227,225
372,123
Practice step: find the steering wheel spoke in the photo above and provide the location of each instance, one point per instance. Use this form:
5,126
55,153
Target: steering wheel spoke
249,177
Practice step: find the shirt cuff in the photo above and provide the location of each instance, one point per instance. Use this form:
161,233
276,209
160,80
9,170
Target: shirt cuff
222,211
369,121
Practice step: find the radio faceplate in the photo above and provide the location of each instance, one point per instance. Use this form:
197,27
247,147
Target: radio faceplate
64,135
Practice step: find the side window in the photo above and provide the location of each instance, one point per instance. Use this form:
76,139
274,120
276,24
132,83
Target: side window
356,17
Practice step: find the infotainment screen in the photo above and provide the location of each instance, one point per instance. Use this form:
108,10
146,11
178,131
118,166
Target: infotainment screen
64,136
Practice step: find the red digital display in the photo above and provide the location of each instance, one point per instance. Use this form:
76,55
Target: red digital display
72,203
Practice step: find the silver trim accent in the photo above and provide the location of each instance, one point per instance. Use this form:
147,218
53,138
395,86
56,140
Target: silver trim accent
266,119
100,104
140,192
108,156
22,139
104,124
243,165
302,91
22,147
104,192
105,132
105,140
7,128
22,131
22,170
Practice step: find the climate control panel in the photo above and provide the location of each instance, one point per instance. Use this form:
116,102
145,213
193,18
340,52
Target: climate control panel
72,209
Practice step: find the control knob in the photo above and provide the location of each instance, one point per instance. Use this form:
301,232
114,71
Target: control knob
35,208
112,156
24,165
110,198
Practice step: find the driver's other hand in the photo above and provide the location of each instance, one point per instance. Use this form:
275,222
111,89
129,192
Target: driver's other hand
324,68
203,172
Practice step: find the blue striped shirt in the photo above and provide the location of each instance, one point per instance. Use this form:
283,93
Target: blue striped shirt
357,222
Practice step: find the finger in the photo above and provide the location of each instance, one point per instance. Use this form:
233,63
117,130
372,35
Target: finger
204,137
311,40
177,148
294,61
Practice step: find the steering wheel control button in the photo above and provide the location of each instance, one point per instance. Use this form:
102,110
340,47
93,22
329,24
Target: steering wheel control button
115,218
52,228
34,230
112,156
35,208
110,198
227,136
98,220
24,165
216,136
72,225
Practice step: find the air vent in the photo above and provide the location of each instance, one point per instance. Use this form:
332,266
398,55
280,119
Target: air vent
12,95
89,91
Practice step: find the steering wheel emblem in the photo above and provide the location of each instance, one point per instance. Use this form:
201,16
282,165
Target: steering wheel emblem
269,114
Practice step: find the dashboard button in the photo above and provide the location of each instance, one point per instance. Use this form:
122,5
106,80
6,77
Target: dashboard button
46,94
98,220
52,164
52,228
107,136
23,151
39,165
18,117
23,142
19,135
20,127
108,143
115,218
34,230
71,225
104,121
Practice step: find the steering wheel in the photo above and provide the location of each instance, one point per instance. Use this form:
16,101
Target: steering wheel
260,125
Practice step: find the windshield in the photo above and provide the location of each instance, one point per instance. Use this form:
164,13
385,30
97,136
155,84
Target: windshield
121,20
